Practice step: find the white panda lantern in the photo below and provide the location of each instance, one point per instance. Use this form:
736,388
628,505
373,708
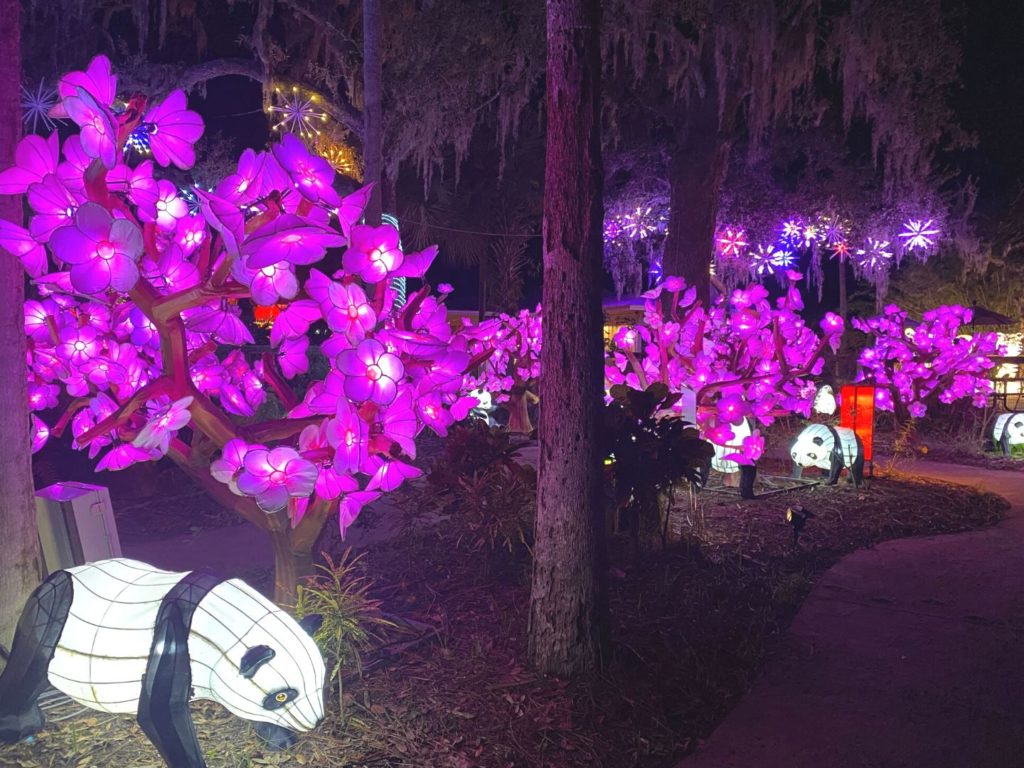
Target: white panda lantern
121,636
1008,431
484,409
829,448
748,472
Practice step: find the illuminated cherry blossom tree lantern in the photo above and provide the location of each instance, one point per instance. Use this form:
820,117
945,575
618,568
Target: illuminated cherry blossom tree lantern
914,367
743,358
510,348
137,339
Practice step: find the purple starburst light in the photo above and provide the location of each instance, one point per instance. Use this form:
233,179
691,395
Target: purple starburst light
767,260
639,224
832,230
874,255
919,234
297,112
792,232
36,105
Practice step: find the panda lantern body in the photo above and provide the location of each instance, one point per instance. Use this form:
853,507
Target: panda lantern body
121,636
1008,431
829,448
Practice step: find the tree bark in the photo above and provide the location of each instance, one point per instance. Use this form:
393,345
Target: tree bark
19,554
568,609
373,131
699,162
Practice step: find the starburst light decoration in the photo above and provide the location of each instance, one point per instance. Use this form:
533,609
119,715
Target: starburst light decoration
919,234
36,105
296,111
767,260
640,224
792,232
732,242
874,255
342,157
841,250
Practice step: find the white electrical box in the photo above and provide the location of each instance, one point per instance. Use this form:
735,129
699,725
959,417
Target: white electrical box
76,525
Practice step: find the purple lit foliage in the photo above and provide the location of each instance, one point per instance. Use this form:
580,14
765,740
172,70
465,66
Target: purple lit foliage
743,358
137,331
510,348
915,366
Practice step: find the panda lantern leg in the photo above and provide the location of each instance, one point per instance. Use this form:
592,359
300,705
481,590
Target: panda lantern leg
163,712
857,468
35,638
748,473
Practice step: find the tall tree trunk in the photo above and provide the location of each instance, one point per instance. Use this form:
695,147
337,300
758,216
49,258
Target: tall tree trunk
568,607
373,139
699,163
19,553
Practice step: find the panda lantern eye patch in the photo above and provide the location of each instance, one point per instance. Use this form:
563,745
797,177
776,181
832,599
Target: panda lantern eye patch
277,699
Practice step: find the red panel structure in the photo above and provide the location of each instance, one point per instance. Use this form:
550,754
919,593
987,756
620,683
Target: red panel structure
857,412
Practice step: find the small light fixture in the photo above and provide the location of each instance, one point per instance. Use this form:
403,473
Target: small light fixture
797,517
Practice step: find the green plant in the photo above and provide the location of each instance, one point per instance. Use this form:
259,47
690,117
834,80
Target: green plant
646,454
352,620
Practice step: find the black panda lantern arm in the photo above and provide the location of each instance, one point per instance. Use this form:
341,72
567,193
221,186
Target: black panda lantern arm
163,711
35,639
836,461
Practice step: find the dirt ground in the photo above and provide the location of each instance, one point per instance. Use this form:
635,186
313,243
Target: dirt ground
690,628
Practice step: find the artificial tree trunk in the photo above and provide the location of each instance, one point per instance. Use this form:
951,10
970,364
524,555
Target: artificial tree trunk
19,554
519,401
373,126
568,611
699,162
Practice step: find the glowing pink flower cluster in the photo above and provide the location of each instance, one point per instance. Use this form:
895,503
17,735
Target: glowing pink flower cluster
139,333
915,365
743,358
515,359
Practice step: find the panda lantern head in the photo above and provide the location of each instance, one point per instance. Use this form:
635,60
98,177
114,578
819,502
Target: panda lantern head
811,451
280,680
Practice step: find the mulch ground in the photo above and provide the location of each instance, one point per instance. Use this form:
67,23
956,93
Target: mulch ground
690,628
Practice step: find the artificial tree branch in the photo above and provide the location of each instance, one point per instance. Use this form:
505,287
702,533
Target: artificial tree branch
244,506
277,429
273,377
156,388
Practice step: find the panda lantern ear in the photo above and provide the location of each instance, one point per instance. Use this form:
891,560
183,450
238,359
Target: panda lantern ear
311,623
255,658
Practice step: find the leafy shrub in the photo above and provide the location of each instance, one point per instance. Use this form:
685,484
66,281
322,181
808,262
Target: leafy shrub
470,447
647,454
352,620
496,507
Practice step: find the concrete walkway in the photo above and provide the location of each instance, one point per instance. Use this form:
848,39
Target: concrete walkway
908,654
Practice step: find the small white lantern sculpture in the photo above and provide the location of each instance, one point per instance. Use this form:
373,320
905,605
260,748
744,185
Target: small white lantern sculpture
1008,431
122,636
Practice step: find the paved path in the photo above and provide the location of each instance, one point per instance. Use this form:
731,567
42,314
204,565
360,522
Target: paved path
910,654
